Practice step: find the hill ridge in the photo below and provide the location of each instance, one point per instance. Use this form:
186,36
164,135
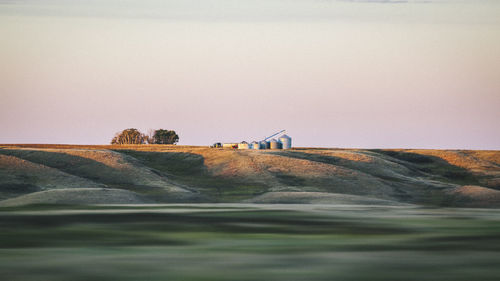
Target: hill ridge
169,173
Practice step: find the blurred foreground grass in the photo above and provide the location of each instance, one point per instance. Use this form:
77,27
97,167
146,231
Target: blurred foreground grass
248,242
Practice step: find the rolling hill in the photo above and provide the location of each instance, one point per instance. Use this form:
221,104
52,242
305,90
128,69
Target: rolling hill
71,174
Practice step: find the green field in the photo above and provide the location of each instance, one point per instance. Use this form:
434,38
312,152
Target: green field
248,242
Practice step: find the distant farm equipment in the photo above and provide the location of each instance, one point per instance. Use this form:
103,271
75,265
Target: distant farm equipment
216,145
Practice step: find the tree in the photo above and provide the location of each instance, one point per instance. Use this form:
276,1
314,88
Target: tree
128,136
148,137
162,136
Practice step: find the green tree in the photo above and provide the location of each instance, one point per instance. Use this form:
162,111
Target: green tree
129,136
162,136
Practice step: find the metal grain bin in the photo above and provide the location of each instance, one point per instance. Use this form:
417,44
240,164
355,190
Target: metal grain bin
263,145
274,144
255,145
286,142
243,145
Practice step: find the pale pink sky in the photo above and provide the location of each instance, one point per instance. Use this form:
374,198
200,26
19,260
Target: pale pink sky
371,74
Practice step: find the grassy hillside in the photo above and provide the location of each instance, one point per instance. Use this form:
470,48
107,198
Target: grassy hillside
248,242
163,173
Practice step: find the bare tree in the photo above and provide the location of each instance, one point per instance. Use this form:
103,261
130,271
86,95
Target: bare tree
148,137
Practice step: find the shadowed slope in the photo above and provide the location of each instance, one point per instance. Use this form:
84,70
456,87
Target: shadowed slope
78,196
19,176
229,175
64,168
193,174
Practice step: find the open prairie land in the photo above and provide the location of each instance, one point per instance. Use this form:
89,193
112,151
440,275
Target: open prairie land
194,213
248,242
71,174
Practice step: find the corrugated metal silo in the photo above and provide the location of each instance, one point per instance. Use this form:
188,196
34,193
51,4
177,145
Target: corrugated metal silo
274,144
263,144
286,142
255,145
243,145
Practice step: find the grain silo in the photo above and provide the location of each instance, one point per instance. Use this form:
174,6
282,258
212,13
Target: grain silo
286,142
243,145
263,144
274,144
255,145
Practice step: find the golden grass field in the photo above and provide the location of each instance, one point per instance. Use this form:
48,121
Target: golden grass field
85,174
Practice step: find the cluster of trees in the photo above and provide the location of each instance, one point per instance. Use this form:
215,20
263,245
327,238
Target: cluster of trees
134,136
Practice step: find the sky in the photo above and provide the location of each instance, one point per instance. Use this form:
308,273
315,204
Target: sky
353,74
